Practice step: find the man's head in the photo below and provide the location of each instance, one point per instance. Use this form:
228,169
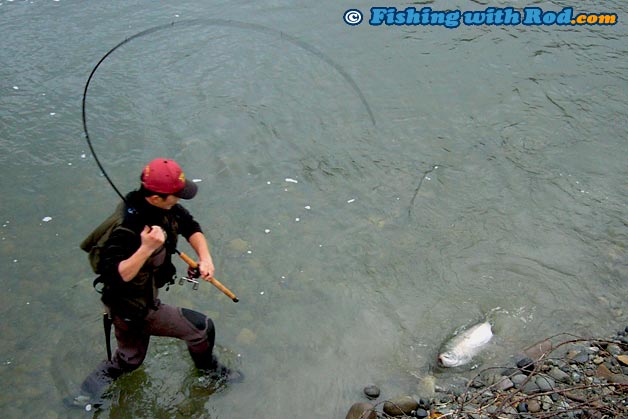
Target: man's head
163,183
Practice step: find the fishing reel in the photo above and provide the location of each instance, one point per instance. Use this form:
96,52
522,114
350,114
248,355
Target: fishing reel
185,279
192,277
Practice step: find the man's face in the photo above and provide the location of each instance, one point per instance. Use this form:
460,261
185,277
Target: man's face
163,203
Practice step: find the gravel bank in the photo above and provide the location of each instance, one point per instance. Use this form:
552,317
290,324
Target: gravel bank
563,377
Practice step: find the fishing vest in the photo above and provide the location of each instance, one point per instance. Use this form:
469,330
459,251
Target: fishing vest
133,299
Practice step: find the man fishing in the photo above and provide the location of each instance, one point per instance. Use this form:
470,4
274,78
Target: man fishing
135,262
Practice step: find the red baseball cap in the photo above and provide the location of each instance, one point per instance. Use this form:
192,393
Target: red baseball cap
165,176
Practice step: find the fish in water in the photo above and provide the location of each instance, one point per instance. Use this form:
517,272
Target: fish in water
465,345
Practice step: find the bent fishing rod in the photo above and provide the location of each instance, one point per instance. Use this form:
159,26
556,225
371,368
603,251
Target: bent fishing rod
194,268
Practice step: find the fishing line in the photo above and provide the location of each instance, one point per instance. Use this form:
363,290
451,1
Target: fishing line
214,22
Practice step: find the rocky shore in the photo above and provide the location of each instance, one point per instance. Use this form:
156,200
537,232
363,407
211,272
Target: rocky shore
563,377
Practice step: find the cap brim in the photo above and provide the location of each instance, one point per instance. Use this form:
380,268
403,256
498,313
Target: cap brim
188,191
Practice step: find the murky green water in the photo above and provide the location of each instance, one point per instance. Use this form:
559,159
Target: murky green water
440,174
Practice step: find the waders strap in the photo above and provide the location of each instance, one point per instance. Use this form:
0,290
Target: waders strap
106,321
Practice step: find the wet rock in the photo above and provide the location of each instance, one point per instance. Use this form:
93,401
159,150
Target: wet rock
522,407
541,348
361,411
400,406
619,379
519,379
505,384
490,377
534,406
458,392
509,410
604,373
545,383
421,413
477,383
526,365
560,363
558,375
372,391
614,349
581,357
530,388
447,398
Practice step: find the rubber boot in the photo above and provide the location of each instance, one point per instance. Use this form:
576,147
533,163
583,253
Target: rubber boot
93,387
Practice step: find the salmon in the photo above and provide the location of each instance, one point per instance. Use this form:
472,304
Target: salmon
465,345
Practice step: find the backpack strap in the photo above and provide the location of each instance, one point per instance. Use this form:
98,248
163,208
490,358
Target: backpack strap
107,321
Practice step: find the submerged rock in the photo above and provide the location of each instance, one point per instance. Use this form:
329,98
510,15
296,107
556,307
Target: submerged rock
238,245
246,336
361,411
427,386
371,391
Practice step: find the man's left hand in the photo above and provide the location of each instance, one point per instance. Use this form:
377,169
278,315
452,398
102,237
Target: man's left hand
207,269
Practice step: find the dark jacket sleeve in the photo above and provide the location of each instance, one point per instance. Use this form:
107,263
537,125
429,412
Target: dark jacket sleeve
187,223
122,243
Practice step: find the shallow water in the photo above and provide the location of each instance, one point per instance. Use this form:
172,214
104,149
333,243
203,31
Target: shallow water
442,176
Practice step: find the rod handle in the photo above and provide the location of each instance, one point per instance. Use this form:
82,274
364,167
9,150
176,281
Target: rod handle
192,263
224,289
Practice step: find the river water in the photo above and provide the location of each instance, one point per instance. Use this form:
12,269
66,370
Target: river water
365,191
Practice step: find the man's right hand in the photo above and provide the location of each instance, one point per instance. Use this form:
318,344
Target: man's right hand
153,237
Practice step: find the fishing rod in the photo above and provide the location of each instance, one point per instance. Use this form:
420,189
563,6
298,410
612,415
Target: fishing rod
304,46
194,268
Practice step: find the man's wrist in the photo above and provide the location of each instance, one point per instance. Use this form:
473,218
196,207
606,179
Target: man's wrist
144,251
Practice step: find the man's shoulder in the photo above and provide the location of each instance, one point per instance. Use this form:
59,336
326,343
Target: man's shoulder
179,210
